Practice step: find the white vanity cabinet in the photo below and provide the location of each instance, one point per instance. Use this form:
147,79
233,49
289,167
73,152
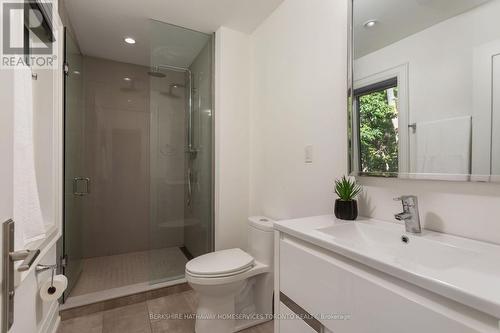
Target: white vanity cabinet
311,279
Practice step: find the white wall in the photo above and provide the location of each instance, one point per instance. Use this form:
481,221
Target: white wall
232,137
298,99
465,209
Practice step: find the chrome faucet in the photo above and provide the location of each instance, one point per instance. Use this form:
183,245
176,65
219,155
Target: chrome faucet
410,214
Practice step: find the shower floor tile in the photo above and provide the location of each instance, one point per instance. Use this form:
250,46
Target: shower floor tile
103,273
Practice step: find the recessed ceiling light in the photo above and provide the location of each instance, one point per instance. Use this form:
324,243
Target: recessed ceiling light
370,24
129,40
127,79
76,72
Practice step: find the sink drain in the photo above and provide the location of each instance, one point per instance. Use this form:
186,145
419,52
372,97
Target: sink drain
405,239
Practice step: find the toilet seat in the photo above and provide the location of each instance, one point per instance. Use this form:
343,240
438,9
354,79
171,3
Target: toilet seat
218,264
256,269
219,275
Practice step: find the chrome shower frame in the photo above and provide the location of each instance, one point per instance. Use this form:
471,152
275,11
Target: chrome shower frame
192,151
190,101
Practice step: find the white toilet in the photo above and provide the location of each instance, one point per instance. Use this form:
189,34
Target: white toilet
235,288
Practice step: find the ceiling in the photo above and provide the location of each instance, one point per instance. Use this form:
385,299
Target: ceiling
100,26
398,19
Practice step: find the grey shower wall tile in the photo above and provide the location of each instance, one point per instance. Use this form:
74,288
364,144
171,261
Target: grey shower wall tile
118,130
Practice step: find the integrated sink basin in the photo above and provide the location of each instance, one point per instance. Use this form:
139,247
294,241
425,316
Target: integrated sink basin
391,242
458,268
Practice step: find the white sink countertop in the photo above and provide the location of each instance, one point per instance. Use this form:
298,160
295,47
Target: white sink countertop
461,269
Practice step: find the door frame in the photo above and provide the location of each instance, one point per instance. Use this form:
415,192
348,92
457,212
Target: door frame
482,125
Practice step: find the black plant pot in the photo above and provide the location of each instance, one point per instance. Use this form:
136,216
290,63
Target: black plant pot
346,210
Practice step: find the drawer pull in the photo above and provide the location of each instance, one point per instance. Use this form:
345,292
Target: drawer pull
301,313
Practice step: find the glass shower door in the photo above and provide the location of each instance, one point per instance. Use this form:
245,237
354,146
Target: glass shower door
180,149
168,100
76,185
198,208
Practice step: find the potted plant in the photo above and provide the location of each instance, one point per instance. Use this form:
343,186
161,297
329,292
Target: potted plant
346,206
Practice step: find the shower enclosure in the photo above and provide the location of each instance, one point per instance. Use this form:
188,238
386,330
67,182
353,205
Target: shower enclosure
138,163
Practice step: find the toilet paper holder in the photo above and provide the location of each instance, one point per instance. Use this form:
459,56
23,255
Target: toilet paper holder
42,268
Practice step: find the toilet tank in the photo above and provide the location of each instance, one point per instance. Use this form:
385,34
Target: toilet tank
261,239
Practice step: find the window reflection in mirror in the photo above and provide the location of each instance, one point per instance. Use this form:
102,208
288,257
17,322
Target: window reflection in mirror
376,107
439,117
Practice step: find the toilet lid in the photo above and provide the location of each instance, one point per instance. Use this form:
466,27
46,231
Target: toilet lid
220,263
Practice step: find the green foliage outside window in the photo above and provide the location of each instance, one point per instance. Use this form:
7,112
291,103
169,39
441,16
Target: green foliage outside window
378,136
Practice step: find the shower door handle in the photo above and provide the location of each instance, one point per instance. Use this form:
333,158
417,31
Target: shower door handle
76,189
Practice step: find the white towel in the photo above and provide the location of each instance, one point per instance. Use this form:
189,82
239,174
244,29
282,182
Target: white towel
29,225
444,146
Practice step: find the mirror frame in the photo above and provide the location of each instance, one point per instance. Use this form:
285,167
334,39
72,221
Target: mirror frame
350,116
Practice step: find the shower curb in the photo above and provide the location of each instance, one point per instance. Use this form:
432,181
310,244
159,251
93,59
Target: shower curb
123,301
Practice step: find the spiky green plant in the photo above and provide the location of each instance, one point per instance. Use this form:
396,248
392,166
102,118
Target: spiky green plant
347,189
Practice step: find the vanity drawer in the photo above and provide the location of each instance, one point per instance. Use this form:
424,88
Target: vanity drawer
289,324
318,287
324,283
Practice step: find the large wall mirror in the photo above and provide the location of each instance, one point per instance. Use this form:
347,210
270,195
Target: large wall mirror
424,93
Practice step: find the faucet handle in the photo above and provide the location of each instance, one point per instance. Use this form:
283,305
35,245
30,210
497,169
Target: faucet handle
408,200
405,198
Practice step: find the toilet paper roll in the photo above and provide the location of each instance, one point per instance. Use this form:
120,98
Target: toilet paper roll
49,292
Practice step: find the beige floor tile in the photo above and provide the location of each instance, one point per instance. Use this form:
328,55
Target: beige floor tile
84,324
172,305
132,318
173,326
263,328
135,318
192,299
266,327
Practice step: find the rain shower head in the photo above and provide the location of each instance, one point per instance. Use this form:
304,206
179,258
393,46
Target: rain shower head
155,72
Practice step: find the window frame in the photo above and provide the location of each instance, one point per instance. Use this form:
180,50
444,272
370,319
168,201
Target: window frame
363,91
377,80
